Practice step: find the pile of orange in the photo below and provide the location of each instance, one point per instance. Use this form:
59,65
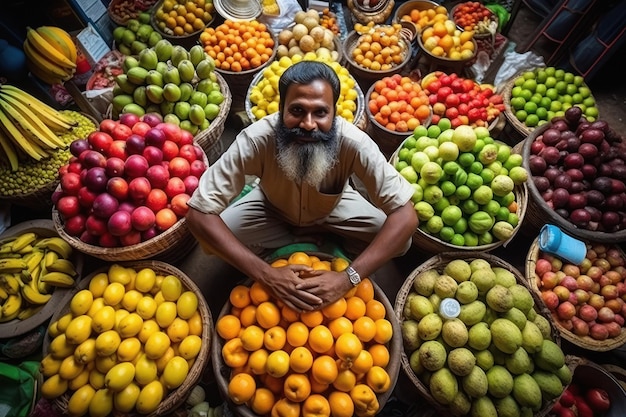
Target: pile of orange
238,46
183,17
444,39
325,362
399,103
379,47
426,17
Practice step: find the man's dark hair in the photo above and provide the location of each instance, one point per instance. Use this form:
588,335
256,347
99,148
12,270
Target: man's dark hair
305,72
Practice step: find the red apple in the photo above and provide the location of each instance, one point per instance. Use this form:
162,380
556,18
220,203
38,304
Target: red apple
107,125
191,183
86,197
121,132
119,223
140,128
138,189
70,183
95,225
170,150
174,186
179,167
188,152
75,225
158,176
114,167
107,240
131,238
128,119
118,188
142,218
197,168
153,155
172,131
118,150
135,166
68,206
100,141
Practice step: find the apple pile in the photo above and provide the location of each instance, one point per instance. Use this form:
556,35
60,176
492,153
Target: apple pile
461,100
586,299
579,168
580,401
128,181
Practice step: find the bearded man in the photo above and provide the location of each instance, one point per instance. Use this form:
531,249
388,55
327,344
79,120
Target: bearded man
304,157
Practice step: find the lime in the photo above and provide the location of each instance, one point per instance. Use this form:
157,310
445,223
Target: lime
559,73
463,192
451,214
591,112
561,86
530,107
410,142
400,165
577,98
470,239
571,89
526,94
541,76
491,207
521,115
566,98
403,154
578,80
441,204
433,131
550,71
478,146
517,103
542,113
434,225
485,238
502,214
450,167
444,124
519,81
515,91
424,211
446,136
530,85
460,226
460,177
585,91
448,188
513,219
550,82
514,160
555,106
482,195
568,78
446,233
536,98
420,131
482,133
545,102
424,141
476,167
507,199
541,89
466,158
551,114
469,207
487,175
532,120
457,240
529,75
589,101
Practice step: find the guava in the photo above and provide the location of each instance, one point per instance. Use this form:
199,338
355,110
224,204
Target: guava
461,361
424,282
432,355
464,137
458,269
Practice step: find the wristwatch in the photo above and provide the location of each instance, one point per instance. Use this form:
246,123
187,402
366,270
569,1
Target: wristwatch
354,276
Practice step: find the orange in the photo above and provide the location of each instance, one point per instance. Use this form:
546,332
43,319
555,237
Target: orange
365,290
355,308
380,354
247,315
339,326
277,363
259,293
300,359
228,326
315,406
297,334
299,258
234,354
285,408
341,405
324,369
241,388
274,338
384,331
289,314
279,263
335,309
363,362
252,338
345,381
240,296
364,328
378,379
297,387
257,361
312,318
320,339
267,314
262,401
347,347
375,310
364,391
165,218
321,265
273,384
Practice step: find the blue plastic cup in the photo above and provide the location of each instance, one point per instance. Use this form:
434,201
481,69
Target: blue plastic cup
552,240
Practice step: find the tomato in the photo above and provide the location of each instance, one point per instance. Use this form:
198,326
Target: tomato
598,399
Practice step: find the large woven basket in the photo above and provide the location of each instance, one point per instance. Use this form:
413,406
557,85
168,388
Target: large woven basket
442,62
42,228
539,213
376,14
585,342
178,396
438,262
223,372
208,137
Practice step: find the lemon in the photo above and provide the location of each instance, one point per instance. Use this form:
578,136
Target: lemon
98,284
86,351
158,298
145,280
107,343
149,398
49,365
146,307
53,387
78,330
149,326
128,349
187,304
96,379
53,330
175,372
101,404
78,403
178,330
119,273
195,324
126,399
96,305
171,287
81,302
103,320
82,378
63,322
166,313
156,345
119,315
60,348
69,368
119,376
145,370
164,359
113,293
131,299
190,346
130,325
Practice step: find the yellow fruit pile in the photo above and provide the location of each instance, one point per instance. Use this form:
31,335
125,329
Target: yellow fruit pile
322,362
379,47
128,340
264,95
444,39
50,54
426,17
183,17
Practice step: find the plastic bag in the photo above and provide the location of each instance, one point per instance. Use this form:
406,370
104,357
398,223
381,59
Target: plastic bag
515,63
19,388
288,10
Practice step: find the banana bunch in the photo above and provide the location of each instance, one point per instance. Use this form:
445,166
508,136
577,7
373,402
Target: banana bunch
31,266
28,126
51,54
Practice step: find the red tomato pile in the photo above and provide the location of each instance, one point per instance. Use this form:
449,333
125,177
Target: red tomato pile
467,15
461,100
588,402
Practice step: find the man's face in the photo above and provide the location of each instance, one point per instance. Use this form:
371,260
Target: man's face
309,107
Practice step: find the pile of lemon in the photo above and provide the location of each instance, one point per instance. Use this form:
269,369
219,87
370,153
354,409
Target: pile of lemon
183,17
128,340
264,95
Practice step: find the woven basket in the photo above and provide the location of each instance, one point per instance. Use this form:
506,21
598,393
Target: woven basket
438,262
364,76
585,342
42,228
121,21
405,8
539,213
177,397
377,14
187,40
207,138
223,372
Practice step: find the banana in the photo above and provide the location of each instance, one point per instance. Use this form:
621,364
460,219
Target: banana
9,151
33,259
12,265
63,265
3,293
67,38
53,118
47,50
23,240
33,132
34,297
42,287
35,121
45,65
18,138
28,312
56,244
41,74
50,257
57,42
24,277
11,306
57,279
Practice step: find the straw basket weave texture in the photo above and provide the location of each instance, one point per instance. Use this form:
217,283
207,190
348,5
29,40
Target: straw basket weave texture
222,372
208,137
177,397
539,213
438,263
43,228
585,342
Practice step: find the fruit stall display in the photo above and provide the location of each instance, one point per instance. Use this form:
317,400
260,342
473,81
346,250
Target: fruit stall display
338,359
475,16
181,21
421,13
123,194
51,54
586,300
499,353
577,169
370,11
136,35
133,338
470,190
121,11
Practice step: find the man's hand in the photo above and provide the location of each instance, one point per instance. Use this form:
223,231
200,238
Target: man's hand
284,284
327,285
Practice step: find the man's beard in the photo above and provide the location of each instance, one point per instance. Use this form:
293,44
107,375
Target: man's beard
306,161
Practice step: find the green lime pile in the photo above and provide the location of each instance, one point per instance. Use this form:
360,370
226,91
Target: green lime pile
137,35
496,357
543,93
464,183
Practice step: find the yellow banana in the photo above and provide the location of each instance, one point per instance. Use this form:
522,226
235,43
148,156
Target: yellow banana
12,265
9,151
23,240
32,131
34,275
63,265
33,259
56,244
18,138
50,257
34,297
53,118
28,312
3,293
45,65
57,43
42,287
6,244
42,75
47,50
24,277
35,121
57,279
11,306
67,39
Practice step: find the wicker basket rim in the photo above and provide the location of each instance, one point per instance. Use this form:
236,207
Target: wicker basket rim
349,45
180,394
212,134
585,342
520,127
